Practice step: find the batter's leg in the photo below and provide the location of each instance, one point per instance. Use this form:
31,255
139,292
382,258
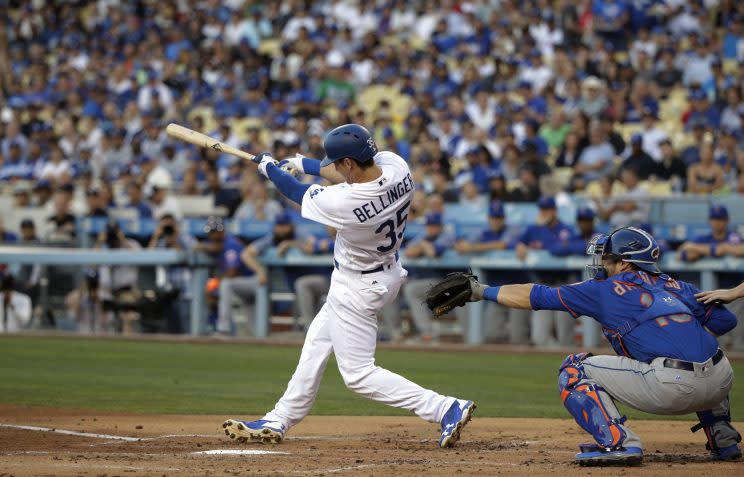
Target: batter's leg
302,389
354,336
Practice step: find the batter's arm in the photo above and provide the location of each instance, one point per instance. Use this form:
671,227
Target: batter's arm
311,166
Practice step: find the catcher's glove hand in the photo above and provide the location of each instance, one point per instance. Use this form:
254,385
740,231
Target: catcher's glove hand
456,289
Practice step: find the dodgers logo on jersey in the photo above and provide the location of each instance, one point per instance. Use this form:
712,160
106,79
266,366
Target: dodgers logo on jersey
315,192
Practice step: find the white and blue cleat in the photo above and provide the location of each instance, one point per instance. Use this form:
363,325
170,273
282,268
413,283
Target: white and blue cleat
267,432
459,413
595,455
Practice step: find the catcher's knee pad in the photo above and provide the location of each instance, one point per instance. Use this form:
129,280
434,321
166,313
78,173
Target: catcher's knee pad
584,401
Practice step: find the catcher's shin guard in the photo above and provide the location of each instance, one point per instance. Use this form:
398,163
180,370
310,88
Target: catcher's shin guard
722,439
589,404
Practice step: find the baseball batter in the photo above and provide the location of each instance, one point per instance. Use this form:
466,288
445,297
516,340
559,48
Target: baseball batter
368,206
669,361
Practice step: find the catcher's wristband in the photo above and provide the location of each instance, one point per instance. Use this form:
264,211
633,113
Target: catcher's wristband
491,294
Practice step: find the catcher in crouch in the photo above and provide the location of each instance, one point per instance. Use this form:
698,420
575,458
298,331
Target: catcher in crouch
669,361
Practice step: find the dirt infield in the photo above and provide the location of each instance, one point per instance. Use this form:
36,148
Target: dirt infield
156,445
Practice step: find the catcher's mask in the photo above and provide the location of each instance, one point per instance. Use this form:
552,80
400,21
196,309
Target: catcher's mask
627,244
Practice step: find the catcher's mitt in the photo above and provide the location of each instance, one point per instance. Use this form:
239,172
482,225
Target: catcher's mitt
455,290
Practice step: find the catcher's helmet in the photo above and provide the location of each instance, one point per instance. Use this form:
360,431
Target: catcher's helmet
627,244
350,140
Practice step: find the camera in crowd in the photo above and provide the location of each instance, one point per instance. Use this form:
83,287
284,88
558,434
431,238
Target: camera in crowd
113,233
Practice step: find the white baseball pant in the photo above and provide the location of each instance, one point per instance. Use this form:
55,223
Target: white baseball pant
347,326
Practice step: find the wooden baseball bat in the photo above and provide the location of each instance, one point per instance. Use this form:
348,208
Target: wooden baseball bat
189,135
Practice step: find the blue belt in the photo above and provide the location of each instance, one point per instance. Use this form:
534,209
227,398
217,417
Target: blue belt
365,272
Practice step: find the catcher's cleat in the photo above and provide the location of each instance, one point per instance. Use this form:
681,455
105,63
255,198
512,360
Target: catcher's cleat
595,455
459,414
267,432
732,452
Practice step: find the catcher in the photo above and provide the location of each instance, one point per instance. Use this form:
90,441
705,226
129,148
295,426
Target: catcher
669,361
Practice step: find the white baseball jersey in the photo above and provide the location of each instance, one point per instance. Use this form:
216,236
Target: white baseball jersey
370,217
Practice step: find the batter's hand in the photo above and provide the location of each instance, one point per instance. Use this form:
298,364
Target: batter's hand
293,165
263,160
724,295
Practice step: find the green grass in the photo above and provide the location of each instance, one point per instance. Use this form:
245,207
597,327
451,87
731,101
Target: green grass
157,377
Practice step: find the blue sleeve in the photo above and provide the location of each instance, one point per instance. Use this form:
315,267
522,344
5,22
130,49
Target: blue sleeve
718,319
715,317
287,184
577,299
524,237
311,166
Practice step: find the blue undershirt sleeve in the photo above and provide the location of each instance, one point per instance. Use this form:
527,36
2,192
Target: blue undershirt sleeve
311,166
290,187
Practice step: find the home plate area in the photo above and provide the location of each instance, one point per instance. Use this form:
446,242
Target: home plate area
54,442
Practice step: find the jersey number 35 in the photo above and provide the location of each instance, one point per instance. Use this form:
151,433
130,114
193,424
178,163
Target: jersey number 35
394,230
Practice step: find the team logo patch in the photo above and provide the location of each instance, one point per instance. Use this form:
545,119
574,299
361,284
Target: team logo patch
315,192
655,253
668,300
646,300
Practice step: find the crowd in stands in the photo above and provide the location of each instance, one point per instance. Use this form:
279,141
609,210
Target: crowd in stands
488,100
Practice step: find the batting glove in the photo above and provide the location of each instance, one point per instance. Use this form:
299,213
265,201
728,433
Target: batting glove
293,163
263,160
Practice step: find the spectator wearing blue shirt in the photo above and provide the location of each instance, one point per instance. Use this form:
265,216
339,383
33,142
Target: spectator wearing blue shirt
6,236
691,154
431,244
609,20
577,243
701,110
501,323
136,200
541,236
229,105
720,242
733,38
236,277
709,245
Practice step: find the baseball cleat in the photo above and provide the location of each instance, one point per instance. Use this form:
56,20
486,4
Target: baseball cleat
731,452
267,432
595,455
454,420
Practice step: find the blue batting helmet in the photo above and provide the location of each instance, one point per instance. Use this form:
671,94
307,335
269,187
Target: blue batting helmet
350,140
627,244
